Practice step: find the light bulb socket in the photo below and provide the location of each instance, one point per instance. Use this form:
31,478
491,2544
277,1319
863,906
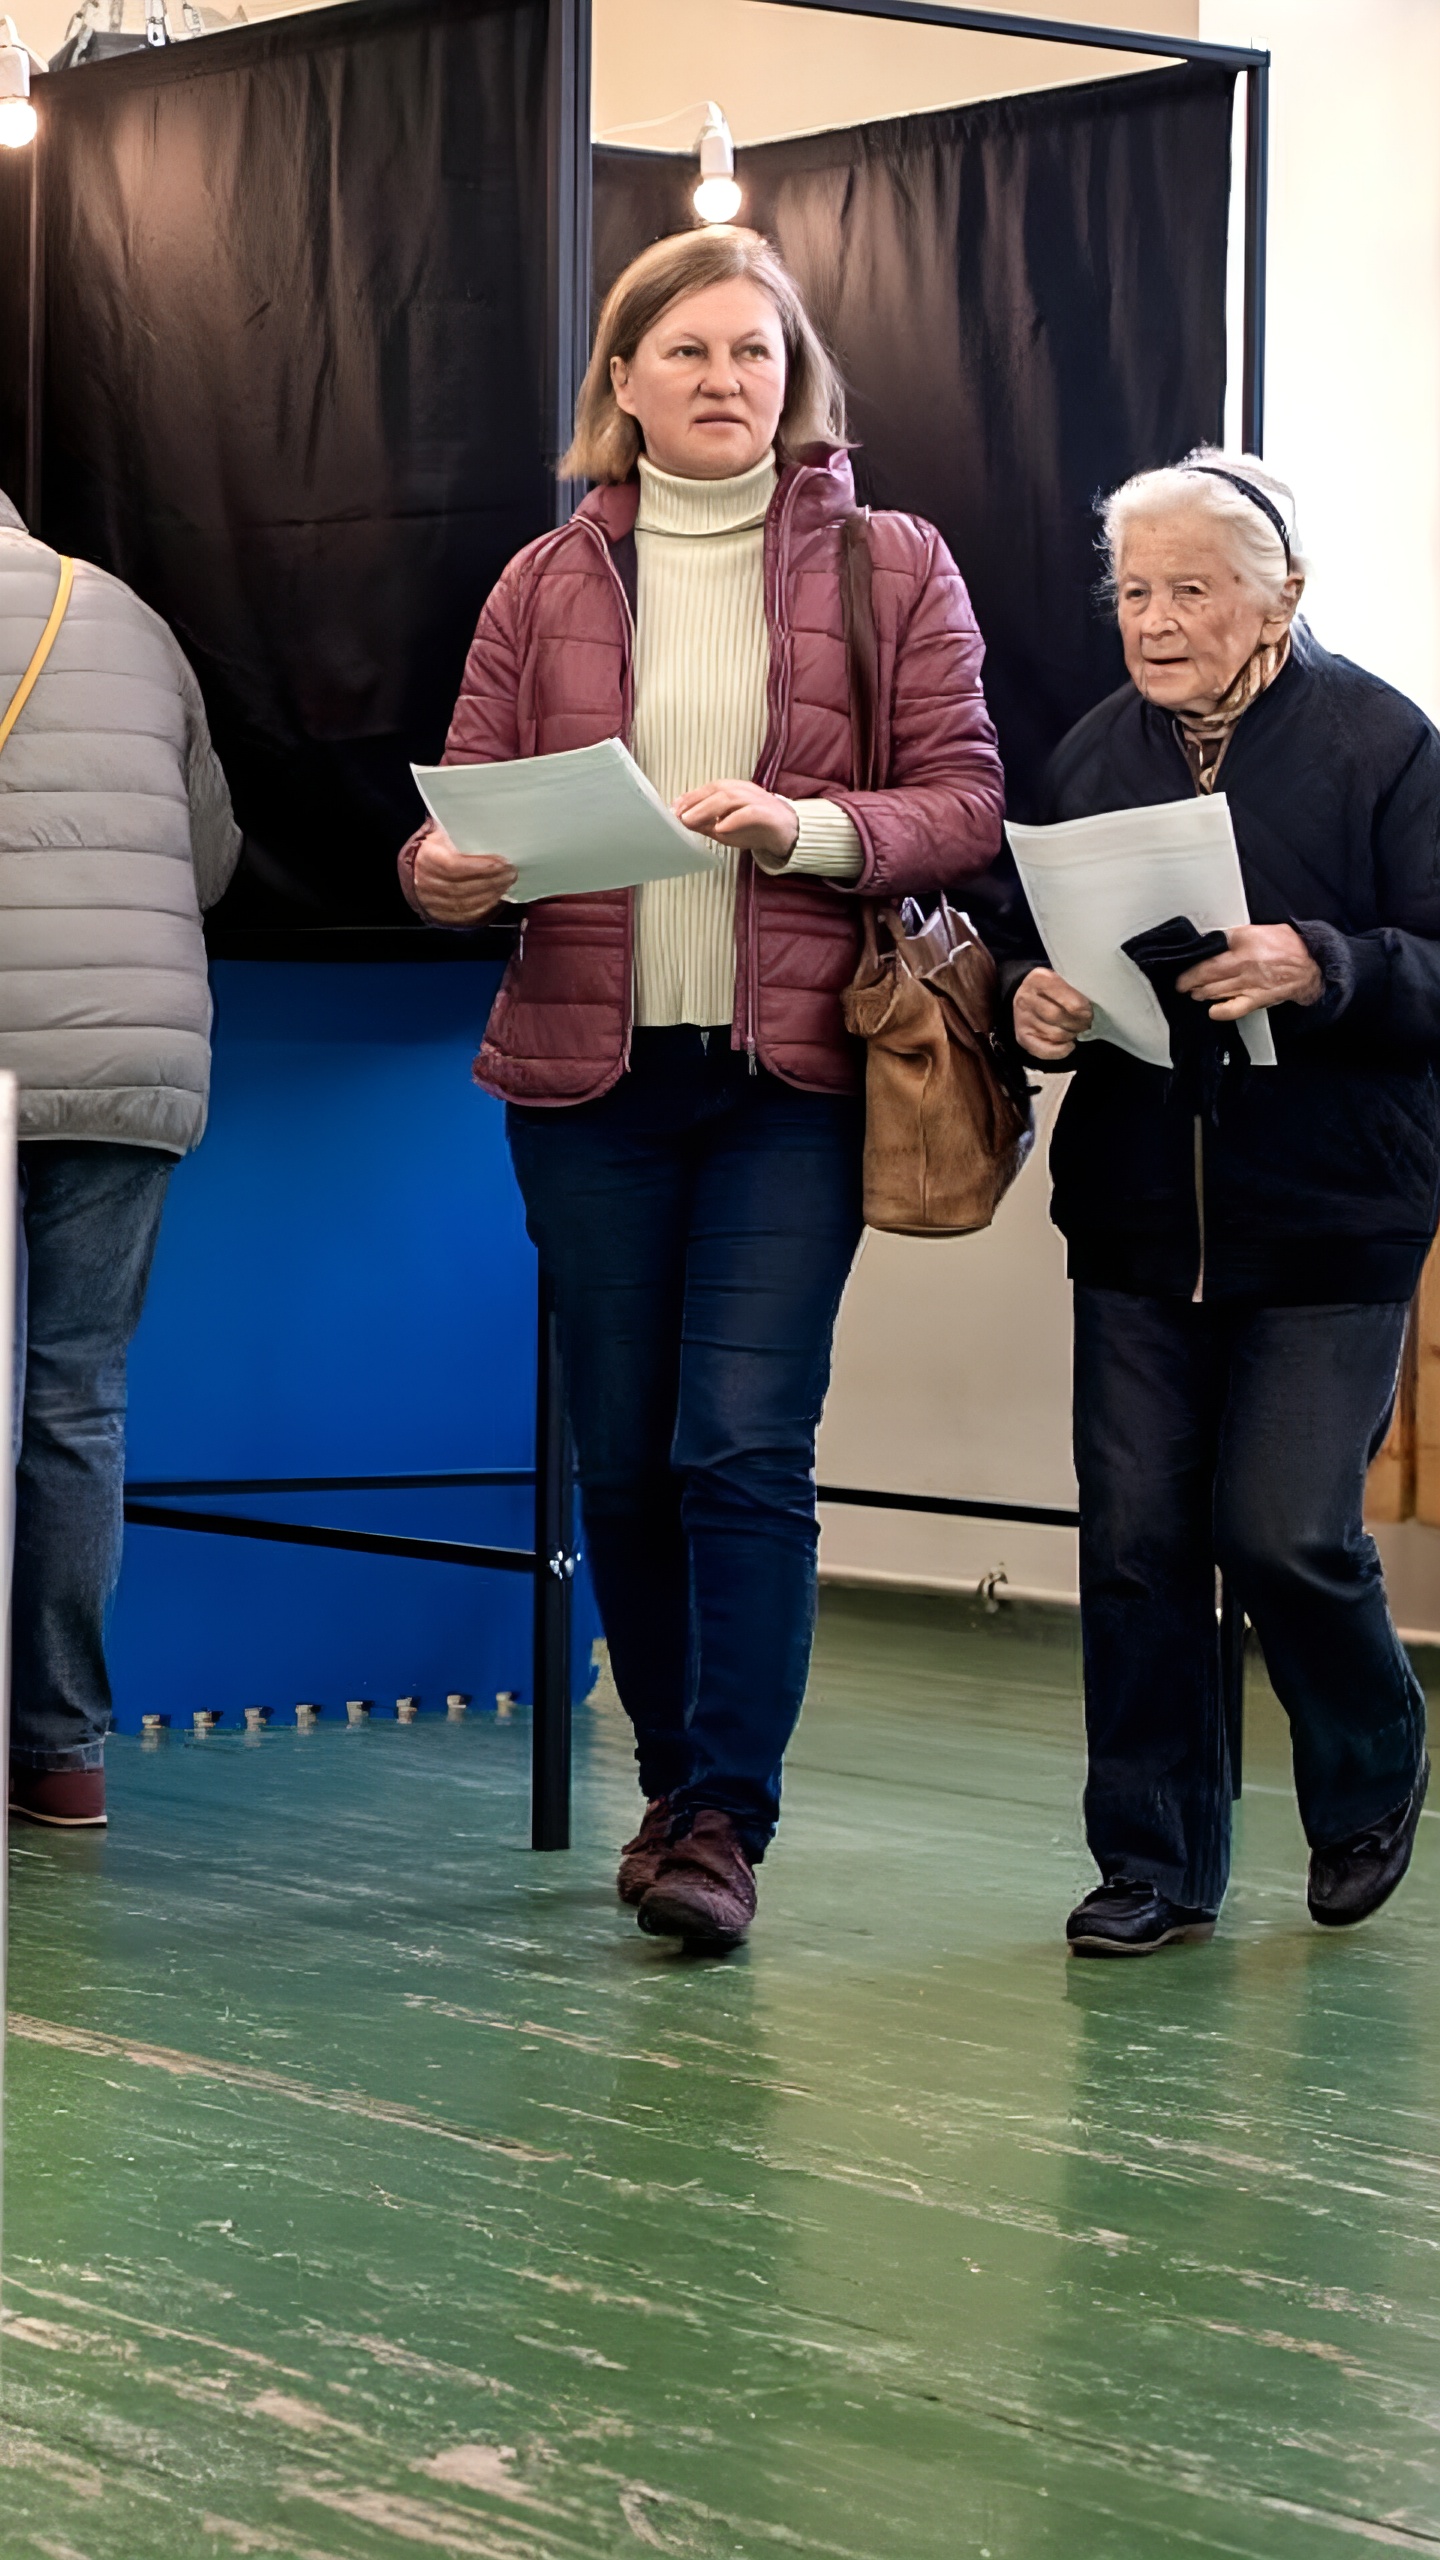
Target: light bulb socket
717,197
716,145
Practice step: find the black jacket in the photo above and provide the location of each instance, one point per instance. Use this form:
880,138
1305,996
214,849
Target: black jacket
1321,1176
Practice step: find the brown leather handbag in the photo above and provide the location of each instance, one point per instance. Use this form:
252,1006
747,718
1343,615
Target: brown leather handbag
948,1122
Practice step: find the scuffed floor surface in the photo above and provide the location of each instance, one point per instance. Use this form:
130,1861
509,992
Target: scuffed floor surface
374,2189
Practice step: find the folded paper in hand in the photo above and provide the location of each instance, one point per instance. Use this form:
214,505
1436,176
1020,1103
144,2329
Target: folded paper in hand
1093,883
587,819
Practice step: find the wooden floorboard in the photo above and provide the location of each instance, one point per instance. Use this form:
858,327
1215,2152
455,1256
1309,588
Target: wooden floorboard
373,2188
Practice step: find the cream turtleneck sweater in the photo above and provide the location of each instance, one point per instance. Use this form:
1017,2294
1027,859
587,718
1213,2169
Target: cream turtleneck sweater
702,665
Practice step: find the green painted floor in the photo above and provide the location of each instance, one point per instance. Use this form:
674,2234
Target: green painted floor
373,2188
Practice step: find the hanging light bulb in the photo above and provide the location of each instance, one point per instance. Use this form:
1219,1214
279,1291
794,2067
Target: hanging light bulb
17,116
717,197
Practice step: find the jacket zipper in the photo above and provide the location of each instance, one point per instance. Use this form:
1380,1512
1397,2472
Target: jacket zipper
627,725
752,963
1197,1294
772,752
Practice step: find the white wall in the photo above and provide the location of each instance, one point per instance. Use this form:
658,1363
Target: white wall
978,1330
1353,360
776,70
952,1376
952,1367
1353,371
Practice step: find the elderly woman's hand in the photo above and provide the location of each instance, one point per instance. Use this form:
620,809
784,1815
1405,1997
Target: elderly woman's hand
1265,964
1049,1015
458,888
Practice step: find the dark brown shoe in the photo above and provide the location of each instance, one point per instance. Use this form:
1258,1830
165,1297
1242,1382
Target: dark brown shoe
1353,1877
64,1799
640,1858
705,1890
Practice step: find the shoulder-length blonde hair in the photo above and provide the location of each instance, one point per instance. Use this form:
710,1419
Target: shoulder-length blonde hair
608,443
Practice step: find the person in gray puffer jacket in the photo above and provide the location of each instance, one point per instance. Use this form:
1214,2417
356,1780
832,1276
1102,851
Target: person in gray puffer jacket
115,832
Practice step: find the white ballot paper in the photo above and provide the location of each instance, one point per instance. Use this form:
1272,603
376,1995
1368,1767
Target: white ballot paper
587,819
1094,882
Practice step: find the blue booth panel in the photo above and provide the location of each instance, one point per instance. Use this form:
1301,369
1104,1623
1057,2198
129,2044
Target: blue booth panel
343,1287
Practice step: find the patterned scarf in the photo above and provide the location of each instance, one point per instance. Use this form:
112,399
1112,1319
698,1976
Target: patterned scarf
1206,738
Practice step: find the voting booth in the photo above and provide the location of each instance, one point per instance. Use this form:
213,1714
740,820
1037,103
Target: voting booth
294,320
284,316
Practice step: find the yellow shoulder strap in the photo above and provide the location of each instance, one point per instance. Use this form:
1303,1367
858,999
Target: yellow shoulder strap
43,647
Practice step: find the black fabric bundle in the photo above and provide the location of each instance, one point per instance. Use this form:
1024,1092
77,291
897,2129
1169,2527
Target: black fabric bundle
1199,1047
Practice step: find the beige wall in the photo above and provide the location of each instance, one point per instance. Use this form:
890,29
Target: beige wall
952,1375
952,1367
1353,377
953,1360
777,70
976,1333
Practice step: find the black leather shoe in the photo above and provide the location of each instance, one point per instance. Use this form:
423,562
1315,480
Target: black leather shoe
1124,1918
1352,1878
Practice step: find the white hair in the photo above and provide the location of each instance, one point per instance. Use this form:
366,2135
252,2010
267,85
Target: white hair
1191,486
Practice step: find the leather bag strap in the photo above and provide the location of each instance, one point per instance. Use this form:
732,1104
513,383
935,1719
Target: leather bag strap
43,647
862,652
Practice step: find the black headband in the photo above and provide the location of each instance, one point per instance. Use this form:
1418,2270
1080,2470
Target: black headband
1256,497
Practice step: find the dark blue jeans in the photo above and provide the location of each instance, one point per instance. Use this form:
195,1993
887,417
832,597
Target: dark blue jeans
698,1224
89,1217
1237,1436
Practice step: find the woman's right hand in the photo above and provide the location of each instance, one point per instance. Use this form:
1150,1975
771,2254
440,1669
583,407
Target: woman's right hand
1049,1015
458,888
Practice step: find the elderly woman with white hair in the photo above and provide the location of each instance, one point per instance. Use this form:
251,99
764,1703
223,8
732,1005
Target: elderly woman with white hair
1244,1242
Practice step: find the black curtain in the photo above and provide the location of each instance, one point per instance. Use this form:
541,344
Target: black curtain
294,312
1027,298
295,362
15,187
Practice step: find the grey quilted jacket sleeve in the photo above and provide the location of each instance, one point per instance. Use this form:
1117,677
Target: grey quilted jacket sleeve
214,836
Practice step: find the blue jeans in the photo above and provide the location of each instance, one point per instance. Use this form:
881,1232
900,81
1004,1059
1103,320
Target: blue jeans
698,1224
1239,1436
89,1217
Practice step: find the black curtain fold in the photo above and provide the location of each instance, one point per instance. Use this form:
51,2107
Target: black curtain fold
1027,299
295,363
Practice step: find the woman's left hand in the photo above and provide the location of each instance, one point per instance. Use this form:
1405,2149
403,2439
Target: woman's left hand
740,813
1265,964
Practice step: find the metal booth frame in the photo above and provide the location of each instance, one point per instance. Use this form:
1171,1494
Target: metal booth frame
552,1559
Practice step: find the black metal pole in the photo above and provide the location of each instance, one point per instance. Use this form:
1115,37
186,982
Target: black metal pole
570,194
569,197
1000,22
554,1586
34,340
1232,1682
1257,185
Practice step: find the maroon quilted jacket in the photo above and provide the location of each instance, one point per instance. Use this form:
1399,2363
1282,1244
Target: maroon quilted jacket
550,668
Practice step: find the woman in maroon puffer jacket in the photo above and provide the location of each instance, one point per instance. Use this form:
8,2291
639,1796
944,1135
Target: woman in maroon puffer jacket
685,1115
